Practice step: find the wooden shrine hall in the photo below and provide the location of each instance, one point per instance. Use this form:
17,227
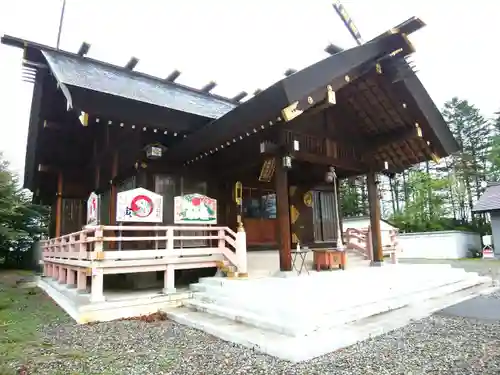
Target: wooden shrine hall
97,127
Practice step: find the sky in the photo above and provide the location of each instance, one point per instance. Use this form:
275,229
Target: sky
246,45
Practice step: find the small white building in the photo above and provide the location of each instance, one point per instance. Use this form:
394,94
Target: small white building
363,222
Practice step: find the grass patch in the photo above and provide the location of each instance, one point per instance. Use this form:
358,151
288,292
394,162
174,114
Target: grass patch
478,260
22,311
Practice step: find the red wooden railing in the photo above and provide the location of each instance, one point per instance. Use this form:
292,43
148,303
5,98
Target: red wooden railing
359,240
97,250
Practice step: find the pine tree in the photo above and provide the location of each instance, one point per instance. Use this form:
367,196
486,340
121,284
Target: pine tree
469,167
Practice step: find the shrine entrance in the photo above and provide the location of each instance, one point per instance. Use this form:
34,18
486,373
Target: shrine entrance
324,216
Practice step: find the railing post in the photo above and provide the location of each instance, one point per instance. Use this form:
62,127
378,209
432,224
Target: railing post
97,284
369,244
222,239
62,275
241,251
170,239
169,280
81,281
55,273
82,248
71,243
70,278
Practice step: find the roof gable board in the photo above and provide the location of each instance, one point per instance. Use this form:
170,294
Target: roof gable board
88,74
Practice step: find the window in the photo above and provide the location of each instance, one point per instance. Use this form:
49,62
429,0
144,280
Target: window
259,204
166,187
269,206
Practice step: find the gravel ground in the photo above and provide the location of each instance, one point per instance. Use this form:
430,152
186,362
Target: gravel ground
436,345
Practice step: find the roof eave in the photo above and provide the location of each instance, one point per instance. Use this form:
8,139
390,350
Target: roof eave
332,73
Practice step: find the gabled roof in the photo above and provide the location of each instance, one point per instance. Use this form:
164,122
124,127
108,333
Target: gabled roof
378,106
73,70
267,105
490,200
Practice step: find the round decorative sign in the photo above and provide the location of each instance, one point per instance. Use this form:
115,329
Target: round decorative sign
141,206
308,199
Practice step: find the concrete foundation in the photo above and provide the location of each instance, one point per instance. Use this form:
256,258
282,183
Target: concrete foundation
299,318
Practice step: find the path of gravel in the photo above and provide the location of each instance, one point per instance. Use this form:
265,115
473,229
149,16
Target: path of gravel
437,345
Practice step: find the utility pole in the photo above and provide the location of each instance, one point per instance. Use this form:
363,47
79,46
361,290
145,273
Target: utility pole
60,24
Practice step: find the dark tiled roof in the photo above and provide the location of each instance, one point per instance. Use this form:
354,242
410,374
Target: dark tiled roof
92,75
490,200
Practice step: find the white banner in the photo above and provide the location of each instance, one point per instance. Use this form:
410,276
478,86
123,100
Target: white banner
139,206
93,209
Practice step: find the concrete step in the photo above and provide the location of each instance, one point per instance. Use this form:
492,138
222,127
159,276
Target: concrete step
353,278
322,341
293,325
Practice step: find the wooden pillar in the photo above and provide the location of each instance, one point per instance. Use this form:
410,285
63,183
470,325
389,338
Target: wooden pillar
59,204
283,216
112,198
374,205
97,177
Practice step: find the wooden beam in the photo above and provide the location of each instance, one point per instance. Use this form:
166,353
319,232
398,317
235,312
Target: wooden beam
173,76
374,205
386,139
332,49
322,97
283,216
48,168
132,63
348,164
239,97
84,49
209,86
112,202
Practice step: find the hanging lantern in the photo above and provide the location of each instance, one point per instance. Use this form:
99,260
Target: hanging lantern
287,162
330,175
154,151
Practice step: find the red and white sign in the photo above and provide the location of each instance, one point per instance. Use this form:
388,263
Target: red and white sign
488,253
195,209
93,209
139,206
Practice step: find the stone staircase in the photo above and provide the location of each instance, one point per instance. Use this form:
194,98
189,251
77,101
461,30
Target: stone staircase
356,259
300,318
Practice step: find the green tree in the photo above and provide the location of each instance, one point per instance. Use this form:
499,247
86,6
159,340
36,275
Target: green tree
474,135
21,222
494,154
426,206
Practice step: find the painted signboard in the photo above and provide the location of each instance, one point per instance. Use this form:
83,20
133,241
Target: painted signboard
195,209
139,206
93,209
